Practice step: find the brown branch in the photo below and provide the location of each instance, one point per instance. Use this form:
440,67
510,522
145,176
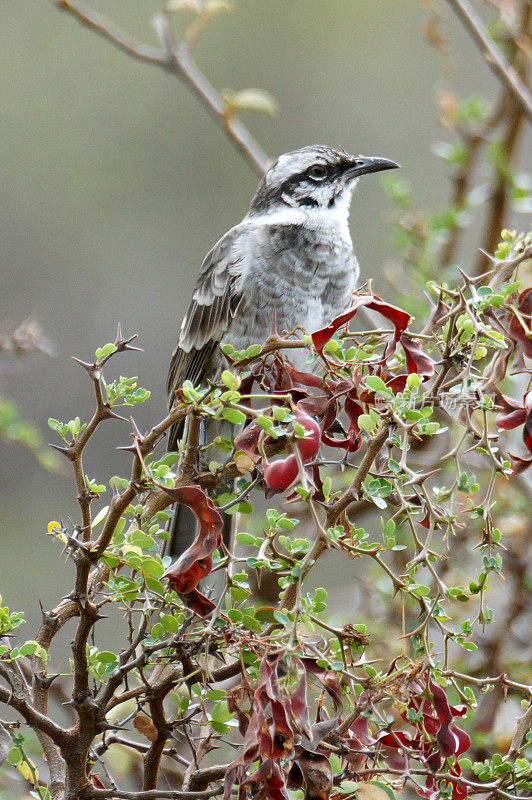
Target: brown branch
524,723
513,124
353,490
150,794
494,56
152,759
35,719
179,62
504,269
348,496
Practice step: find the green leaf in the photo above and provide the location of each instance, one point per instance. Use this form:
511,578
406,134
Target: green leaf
366,423
377,384
253,350
281,618
150,567
245,538
251,623
14,756
234,415
141,539
170,623
220,712
419,589
106,657
239,594
230,380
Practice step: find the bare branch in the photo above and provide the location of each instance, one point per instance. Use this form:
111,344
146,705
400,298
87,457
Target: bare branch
179,62
494,56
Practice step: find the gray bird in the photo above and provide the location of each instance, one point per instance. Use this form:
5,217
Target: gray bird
291,253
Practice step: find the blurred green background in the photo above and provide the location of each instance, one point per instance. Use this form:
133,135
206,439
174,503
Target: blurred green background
115,182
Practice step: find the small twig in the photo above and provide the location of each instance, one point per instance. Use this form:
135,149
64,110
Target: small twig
494,56
179,62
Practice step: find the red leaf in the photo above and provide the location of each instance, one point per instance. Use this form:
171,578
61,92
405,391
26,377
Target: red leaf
397,316
511,420
197,602
196,562
299,707
280,474
464,740
517,415
448,741
521,463
527,430
416,359
247,441
306,378
441,704
317,775
331,684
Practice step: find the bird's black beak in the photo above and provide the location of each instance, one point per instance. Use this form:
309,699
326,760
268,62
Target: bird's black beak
361,165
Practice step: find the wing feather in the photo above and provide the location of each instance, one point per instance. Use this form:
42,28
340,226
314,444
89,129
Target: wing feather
214,303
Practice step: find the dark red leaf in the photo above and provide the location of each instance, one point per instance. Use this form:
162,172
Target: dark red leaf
397,316
196,562
332,686
197,602
464,740
299,707
434,761
416,358
511,420
306,378
280,474
448,741
459,711
521,463
317,775
527,431
247,441
441,704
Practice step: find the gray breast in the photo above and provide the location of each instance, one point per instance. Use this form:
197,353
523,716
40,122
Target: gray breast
307,276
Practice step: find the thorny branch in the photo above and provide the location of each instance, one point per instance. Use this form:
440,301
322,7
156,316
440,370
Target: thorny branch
153,666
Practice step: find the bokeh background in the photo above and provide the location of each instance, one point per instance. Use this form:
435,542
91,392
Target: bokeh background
115,182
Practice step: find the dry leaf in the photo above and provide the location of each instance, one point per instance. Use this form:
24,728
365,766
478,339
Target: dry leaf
374,790
244,463
145,726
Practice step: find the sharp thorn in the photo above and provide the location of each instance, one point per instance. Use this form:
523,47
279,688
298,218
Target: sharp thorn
90,368
66,451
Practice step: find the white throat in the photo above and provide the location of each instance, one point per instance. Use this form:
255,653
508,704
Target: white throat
315,217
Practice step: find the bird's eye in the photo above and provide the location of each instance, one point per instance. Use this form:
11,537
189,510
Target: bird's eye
318,172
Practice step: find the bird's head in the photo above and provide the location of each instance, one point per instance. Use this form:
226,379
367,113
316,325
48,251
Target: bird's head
314,177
